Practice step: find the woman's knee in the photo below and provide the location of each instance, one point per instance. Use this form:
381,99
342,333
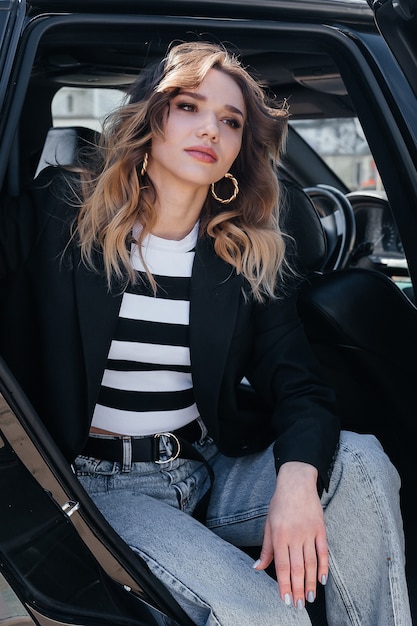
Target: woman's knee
361,458
364,449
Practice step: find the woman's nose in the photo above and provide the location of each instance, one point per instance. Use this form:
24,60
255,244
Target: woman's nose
210,128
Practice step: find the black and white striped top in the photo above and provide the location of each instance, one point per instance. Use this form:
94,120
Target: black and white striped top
147,386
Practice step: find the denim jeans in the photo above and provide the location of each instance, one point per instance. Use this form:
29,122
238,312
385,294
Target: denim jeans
150,506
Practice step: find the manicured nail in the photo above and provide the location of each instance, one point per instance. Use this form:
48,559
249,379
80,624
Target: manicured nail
255,565
287,599
324,579
310,596
300,604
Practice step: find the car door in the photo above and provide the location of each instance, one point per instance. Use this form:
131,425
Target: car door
397,22
12,13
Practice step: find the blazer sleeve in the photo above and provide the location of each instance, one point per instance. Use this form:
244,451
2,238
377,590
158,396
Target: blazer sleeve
286,374
23,218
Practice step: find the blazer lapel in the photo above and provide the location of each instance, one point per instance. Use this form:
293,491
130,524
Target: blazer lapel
97,311
215,290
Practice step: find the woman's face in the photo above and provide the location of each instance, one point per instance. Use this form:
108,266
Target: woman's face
202,133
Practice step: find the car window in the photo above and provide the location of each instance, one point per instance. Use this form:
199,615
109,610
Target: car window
342,145
76,106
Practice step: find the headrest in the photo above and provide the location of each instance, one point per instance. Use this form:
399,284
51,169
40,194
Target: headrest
307,244
63,145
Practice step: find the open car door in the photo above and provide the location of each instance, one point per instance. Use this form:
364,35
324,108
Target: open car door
62,559
397,22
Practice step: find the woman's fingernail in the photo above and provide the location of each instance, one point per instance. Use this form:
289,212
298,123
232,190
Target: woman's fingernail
310,596
324,579
287,599
255,565
300,604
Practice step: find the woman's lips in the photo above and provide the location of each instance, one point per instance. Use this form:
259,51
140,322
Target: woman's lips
201,153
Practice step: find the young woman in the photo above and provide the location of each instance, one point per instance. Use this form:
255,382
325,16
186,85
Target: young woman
137,297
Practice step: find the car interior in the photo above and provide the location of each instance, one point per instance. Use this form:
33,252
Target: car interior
346,244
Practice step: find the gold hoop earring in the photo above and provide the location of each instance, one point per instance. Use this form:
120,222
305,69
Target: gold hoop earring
234,194
144,165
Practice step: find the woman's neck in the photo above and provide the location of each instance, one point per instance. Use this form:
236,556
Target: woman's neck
178,207
177,214
174,228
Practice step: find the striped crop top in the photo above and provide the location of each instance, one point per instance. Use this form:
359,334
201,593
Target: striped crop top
147,386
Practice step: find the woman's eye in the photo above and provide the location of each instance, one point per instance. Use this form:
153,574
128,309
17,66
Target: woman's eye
193,108
186,106
232,122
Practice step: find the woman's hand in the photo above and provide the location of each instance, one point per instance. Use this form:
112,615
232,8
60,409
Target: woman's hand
295,534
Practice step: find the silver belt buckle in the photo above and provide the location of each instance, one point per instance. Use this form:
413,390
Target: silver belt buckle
177,443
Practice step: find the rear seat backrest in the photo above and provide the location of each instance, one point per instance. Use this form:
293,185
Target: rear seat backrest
63,145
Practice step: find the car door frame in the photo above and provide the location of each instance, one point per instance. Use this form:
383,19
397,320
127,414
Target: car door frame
397,23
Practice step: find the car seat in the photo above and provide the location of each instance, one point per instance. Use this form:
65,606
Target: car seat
66,145
363,329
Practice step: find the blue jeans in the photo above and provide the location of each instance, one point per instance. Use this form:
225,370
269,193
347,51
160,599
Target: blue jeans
150,506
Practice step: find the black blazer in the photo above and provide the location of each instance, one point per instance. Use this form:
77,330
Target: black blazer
57,319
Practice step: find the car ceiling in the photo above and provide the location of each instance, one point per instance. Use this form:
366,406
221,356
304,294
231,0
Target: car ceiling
311,83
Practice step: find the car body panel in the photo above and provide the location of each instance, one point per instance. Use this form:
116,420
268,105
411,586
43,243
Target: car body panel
355,11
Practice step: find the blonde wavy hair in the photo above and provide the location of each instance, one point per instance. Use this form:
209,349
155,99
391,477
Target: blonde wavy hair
116,196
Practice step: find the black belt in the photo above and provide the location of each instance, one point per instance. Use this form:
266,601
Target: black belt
144,449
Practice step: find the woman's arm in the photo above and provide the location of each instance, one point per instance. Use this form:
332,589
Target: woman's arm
285,373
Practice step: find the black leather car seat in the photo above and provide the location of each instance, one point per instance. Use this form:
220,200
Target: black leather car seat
308,247
363,329
322,222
